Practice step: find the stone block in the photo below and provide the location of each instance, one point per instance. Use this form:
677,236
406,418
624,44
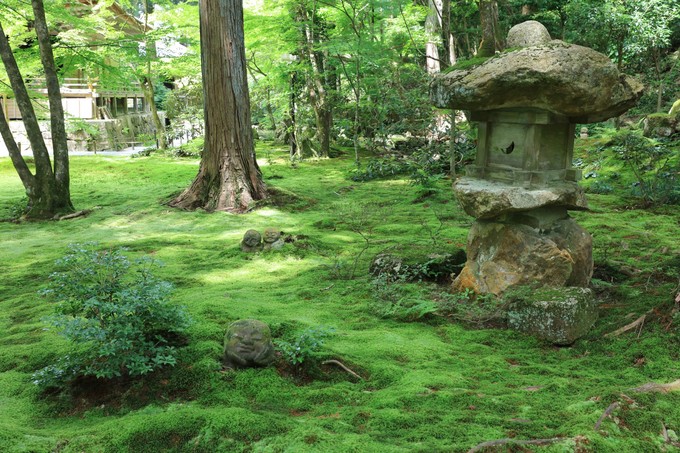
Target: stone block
558,315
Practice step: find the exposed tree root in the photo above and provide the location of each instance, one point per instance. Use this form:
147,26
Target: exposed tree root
495,443
341,365
74,215
606,414
637,323
662,388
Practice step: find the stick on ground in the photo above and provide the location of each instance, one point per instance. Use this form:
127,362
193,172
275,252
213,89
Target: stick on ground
654,387
606,414
495,443
341,365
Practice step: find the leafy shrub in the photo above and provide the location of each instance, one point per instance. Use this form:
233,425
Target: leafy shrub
399,300
116,314
193,148
655,166
305,348
472,308
424,165
378,168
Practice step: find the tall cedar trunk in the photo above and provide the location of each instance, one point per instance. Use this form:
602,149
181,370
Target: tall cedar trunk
228,178
48,190
491,33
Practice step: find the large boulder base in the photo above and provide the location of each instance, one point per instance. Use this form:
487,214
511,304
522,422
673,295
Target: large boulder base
558,315
507,255
483,199
570,80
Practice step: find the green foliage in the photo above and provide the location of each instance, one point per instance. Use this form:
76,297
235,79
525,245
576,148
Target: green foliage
193,148
471,308
116,314
655,165
306,347
396,298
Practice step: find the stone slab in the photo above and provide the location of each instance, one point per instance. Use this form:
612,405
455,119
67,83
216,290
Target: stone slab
575,81
483,199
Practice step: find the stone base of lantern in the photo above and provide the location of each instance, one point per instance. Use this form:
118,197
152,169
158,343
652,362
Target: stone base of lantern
516,251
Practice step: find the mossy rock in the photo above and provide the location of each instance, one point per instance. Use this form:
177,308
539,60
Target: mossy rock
661,125
418,263
558,315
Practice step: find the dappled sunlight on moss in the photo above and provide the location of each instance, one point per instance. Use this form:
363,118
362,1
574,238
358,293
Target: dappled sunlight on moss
430,385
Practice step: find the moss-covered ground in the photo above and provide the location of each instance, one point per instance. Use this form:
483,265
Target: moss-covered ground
433,385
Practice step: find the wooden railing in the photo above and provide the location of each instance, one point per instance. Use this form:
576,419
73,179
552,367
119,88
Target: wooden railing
84,85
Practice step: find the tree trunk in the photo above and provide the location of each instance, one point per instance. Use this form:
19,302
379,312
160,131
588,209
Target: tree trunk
147,89
432,28
491,33
48,190
229,178
317,84
147,83
448,42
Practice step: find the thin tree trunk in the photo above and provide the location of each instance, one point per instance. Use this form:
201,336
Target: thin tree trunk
58,127
432,28
292,107
147,83
47,194
229,178
148,90
448,42
317,83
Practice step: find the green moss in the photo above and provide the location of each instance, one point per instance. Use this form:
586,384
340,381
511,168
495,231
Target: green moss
467,64
429,386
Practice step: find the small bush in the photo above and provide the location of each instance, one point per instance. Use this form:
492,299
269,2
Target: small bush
193,148
655,166
305,348
115,312
476,309
399,300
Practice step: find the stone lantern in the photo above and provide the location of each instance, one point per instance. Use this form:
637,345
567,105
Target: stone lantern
521,186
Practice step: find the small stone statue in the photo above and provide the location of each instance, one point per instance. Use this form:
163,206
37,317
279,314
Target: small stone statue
252,241
248,344
273,239
584,132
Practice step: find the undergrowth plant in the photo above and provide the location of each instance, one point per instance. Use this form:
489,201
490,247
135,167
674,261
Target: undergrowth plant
396,298
471,308
655,165
115,311
304,349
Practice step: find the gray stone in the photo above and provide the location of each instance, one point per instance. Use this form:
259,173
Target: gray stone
415,263
248,344
574,81
529,33
273,239
488,199
503,256
661,125
252,241
558,315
